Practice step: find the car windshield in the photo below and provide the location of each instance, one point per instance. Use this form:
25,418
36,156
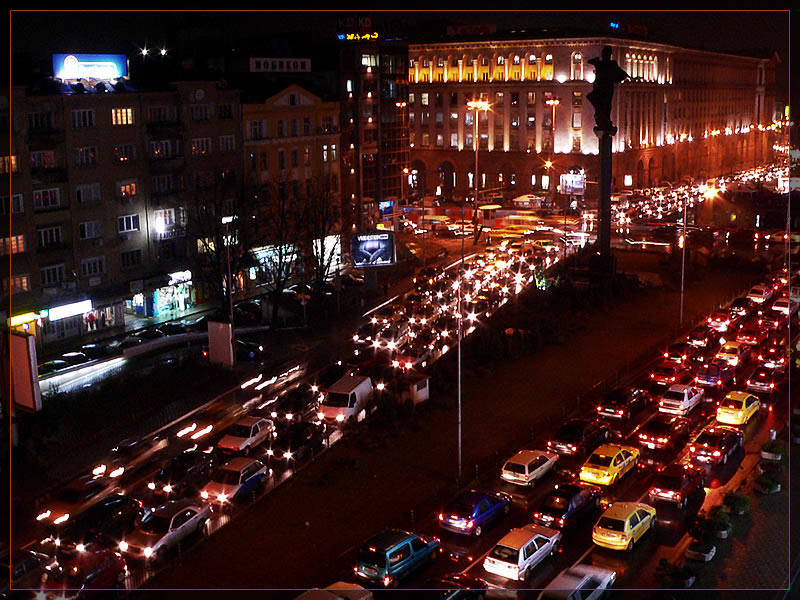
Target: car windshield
600,460
731,403
460,509
673,395
570,432
154,523
368,556
514,467
505,553
667,482
708,439
225,477
668,371
337,400
657,427
556,502
239,431
729,350
612,524
762,374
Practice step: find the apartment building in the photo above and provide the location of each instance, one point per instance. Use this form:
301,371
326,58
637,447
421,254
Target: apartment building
103,179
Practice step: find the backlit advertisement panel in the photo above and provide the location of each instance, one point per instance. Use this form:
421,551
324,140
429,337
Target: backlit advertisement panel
89,66
372,249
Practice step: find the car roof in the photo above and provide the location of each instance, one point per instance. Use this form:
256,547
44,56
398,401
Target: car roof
238,463
173,506
347,384
526,455
623,509
517,538
609,449
737,395
679,387
388,538
249,420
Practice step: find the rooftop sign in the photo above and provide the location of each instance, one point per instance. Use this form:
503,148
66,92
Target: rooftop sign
69,67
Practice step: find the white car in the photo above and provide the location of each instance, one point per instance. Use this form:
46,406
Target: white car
785,305
163,528
760,293
579,582
246,434
521,550
526,467
681,399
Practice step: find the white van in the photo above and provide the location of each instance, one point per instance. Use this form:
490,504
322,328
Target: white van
347,399
527,466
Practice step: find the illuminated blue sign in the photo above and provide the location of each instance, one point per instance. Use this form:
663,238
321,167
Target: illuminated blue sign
89,66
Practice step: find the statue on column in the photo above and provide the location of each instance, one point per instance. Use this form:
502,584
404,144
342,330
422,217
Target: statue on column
607,73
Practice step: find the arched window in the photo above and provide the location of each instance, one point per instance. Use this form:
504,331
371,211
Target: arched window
577,66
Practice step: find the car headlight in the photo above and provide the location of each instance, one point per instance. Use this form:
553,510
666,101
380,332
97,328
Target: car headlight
148,551
80,547
340,417
167,488
43,515
61,519
123,545
204,495
222,497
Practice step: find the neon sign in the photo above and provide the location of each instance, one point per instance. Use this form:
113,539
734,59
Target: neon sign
358,37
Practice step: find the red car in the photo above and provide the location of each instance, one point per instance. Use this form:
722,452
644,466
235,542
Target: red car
93,569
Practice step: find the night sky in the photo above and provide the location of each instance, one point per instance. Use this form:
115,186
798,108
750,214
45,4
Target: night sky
735,31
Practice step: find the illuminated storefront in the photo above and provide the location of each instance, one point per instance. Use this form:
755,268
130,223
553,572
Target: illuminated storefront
151,299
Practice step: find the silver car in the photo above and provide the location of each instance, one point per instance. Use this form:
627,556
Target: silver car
163,528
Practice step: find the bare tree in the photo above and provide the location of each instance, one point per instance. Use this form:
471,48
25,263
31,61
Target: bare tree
220,233
323,219
279,226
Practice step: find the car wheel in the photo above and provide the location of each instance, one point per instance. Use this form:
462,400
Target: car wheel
554,549
630,546
202,528
478,531
247,451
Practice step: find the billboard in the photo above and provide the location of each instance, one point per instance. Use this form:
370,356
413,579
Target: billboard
89,66
372,249
573,184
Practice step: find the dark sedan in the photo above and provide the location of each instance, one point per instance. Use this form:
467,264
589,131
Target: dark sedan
704,337
716,444
622,403
676,483
566,504
182,475
578,437
458,586
664,431
470,512
297,441
104,522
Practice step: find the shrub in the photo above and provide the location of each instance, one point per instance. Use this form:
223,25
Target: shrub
737,502
774,447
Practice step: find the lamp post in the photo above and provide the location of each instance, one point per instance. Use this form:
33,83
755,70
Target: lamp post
476,105
396,206
683,261
552,103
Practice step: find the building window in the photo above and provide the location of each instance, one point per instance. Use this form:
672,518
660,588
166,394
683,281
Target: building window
124,153
122,116
162,114
12,245
18,284
257,129
577,66
225,111
42,121
201,112
91,267
439,140
454,140
52,275
131,258
49,237
576,143
576,120
82,118
424,99
44,199
161,149
227,143
128,223
90,229
45,159
12,204
281,128
9,164
126,189
86,156
295,157
307,156
201,146
281,159
307,126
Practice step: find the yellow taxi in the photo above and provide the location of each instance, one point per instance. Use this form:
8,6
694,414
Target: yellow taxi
608,464
737,408
623,524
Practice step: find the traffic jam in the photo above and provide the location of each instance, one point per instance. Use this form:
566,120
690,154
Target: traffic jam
633,469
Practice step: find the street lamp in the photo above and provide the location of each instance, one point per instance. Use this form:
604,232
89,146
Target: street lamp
476,105
683,260
552,103
401,106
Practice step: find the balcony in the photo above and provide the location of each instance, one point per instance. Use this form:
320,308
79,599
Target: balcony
164,128
170,233
45,139
161,166
41,176
127,199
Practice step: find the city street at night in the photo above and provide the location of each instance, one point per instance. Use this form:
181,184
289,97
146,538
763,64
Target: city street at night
343,305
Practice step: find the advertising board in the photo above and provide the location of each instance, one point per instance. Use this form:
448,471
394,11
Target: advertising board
374,249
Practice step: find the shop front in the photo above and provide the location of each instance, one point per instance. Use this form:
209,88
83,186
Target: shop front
164,296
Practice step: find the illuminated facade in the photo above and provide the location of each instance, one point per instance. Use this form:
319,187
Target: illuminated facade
100,177
683,114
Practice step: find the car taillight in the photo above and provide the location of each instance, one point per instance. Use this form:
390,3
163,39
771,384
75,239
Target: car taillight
748,382
561,521
716,452
470,524
691,448
441,517
537,515
719,381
